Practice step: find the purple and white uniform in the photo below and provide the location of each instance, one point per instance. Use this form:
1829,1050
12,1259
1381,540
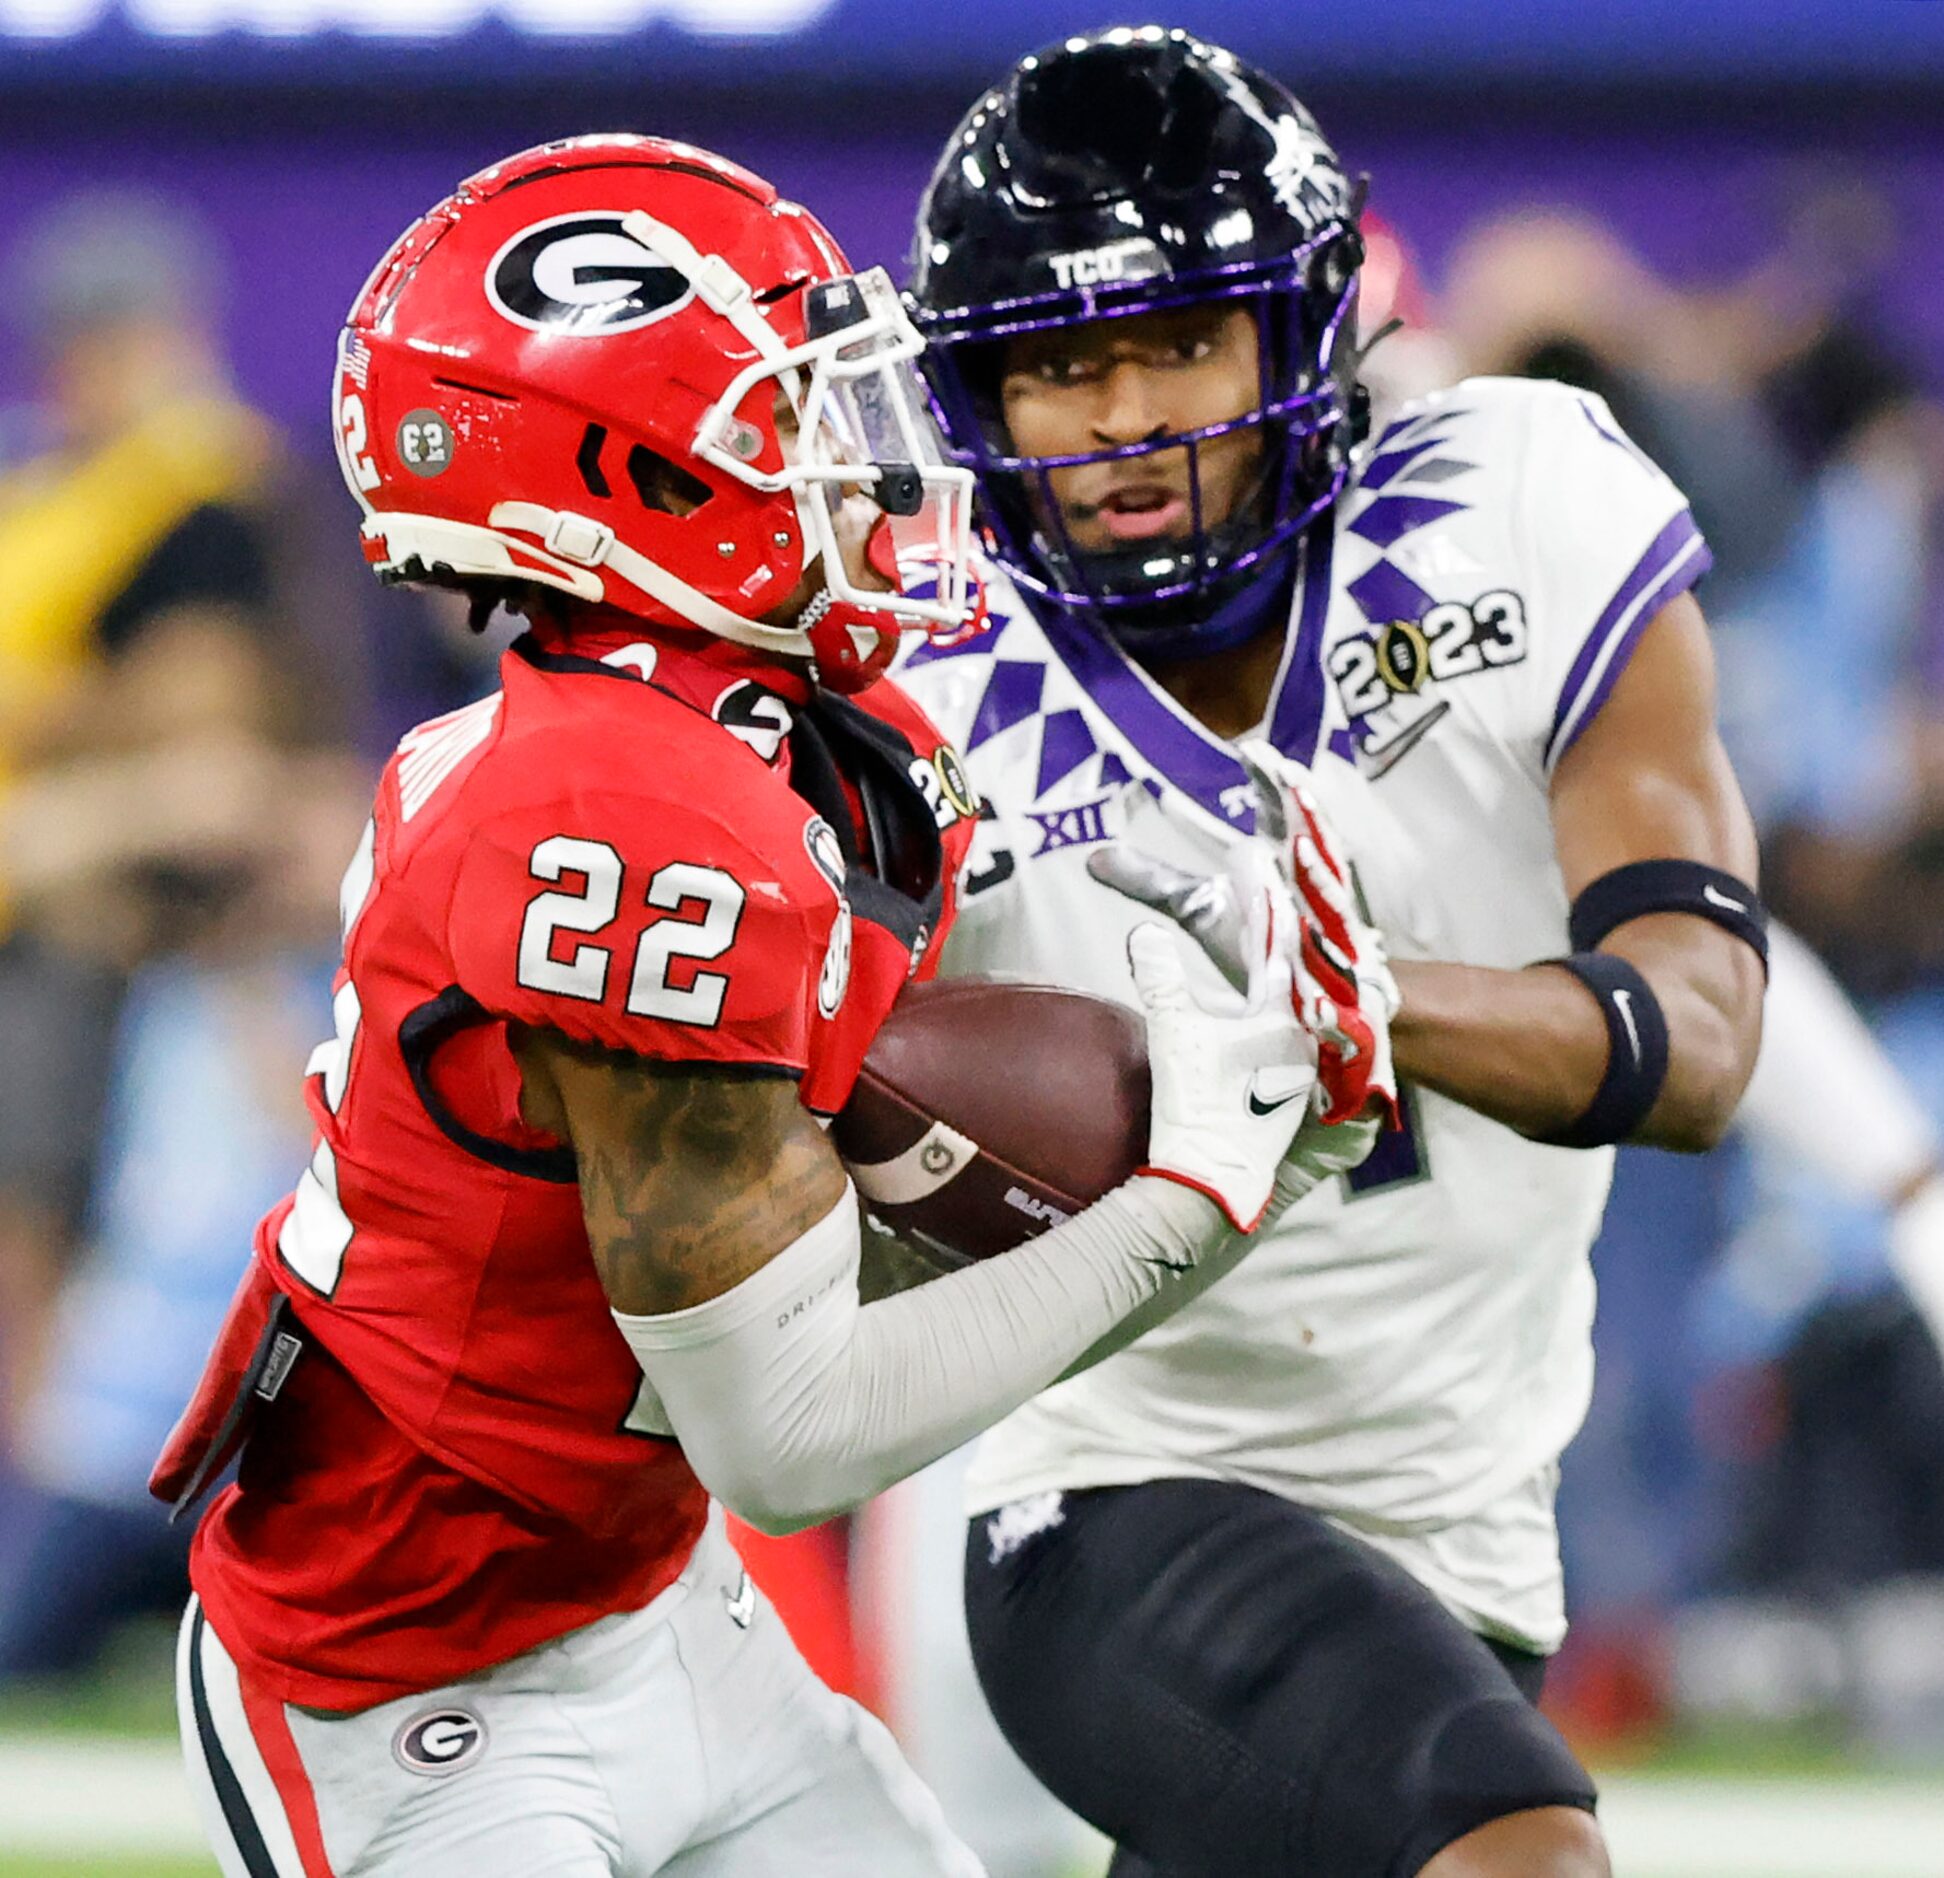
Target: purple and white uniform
1409,1352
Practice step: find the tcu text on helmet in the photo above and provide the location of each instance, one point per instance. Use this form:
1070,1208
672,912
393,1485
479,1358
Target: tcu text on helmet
1134,259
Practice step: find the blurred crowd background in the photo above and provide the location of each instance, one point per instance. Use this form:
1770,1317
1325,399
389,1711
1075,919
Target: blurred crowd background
1732,231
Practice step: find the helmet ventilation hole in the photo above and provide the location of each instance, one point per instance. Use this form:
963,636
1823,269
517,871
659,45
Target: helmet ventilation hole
587,459
664,486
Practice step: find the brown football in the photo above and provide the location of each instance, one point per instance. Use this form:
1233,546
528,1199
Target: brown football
987,1112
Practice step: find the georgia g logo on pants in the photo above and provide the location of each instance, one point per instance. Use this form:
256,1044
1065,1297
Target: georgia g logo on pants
440,1741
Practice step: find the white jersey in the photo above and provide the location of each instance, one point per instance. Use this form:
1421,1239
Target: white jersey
1409,1350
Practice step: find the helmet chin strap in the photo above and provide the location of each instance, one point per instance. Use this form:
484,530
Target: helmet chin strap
602,548
1178,631
849,644
851,647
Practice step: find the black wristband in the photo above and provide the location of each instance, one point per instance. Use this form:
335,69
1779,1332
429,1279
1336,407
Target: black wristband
1636,1051
1668,887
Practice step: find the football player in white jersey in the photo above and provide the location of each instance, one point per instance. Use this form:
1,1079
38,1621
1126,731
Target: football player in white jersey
1272,1590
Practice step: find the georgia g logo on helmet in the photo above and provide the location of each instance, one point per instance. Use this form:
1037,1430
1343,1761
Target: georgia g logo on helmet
585,276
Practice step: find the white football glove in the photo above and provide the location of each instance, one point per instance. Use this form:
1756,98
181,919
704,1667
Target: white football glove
1230,1087
1321,1151
1341,980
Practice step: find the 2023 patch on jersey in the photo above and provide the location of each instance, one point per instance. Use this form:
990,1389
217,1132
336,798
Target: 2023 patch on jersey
646,851
1409,1351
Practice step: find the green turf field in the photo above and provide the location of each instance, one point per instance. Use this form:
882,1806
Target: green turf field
98,1865
91,1786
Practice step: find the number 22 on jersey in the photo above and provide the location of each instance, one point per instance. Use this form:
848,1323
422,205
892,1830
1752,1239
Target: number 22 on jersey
701,907
583,971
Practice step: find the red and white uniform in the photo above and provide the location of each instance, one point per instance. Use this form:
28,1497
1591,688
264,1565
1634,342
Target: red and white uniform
464,1613
634,843
448,1548
449,1476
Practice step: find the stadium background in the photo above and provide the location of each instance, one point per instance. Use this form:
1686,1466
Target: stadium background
1730,210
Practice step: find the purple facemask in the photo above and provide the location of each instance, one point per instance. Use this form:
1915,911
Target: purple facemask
1305,413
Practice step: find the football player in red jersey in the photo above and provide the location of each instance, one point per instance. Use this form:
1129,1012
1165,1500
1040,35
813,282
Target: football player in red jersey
573,1253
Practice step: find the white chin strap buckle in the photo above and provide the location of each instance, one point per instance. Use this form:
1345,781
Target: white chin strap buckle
577,538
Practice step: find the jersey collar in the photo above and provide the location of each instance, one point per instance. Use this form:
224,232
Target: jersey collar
613,641
1174,745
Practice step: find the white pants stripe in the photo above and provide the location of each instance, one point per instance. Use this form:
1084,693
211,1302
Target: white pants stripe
242,1812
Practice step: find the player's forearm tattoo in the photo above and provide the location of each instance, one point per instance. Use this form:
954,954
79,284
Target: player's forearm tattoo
698,1180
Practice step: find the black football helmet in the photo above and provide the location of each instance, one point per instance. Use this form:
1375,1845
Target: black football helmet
1121,173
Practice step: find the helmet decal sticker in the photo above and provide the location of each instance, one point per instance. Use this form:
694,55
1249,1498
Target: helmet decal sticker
1305,174
584,276
425,443
1134,259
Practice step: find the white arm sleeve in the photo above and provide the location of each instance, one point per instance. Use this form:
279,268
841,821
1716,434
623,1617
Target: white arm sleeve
794,1401
1824,1095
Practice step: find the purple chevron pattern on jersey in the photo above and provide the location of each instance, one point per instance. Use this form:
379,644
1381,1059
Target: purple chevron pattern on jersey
1390,518
1384,591
1065,743
1012,695
978,645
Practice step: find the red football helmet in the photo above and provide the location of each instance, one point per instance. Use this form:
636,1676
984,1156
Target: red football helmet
626,369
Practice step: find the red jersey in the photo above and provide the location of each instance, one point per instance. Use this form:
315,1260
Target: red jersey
646,850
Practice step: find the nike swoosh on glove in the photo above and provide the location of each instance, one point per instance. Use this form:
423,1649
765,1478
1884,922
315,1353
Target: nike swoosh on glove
1230,1087
1222,913
1343,984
